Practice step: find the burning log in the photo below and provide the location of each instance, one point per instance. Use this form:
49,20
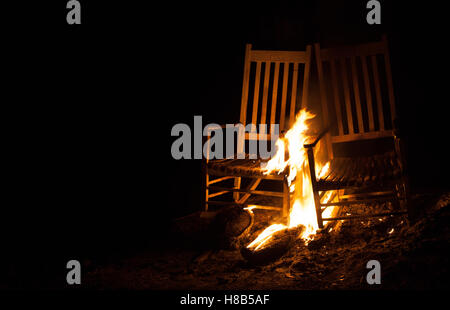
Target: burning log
276,239
273,247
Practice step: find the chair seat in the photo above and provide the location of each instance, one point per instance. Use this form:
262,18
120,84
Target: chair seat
376,170
241,167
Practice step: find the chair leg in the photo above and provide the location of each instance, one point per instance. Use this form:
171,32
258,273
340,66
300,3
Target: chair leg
205,186
286,199
312,173
318,208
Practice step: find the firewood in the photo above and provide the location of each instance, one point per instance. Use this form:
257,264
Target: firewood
274,248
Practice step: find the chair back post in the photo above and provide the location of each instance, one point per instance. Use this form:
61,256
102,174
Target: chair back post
323,101
245,82
390,84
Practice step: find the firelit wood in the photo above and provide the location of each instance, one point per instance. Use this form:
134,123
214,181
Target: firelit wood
361,112
270,80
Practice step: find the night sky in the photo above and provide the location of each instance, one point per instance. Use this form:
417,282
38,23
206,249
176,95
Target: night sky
93,107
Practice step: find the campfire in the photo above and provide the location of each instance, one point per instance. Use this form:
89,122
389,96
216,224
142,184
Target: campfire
291,155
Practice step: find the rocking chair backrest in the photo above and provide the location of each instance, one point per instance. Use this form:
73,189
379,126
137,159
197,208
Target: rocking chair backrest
356,91
272,78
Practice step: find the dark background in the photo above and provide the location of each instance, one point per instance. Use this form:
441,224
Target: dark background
90,108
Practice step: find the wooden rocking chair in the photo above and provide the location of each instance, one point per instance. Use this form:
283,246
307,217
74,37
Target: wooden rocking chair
278,74
357,100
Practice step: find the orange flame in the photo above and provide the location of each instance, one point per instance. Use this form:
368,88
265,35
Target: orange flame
303,210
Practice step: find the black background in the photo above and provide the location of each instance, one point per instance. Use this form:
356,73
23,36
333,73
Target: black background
89,108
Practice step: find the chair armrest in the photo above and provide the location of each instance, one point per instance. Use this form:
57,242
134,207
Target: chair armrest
316,140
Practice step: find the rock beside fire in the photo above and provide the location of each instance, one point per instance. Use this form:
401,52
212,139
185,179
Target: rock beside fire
274,248
230,225
223,229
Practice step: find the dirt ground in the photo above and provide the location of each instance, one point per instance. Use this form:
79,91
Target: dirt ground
413,255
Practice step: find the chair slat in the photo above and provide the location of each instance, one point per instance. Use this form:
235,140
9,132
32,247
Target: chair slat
341,166
368,93
256,93
265,92
356,94
305,87
284,94
347,97
334,176
377,91
273,111
328,176
337,102
293,94
331,171
390,85
348,166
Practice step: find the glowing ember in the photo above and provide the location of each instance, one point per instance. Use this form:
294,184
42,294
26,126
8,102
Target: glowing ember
265,236
303,210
